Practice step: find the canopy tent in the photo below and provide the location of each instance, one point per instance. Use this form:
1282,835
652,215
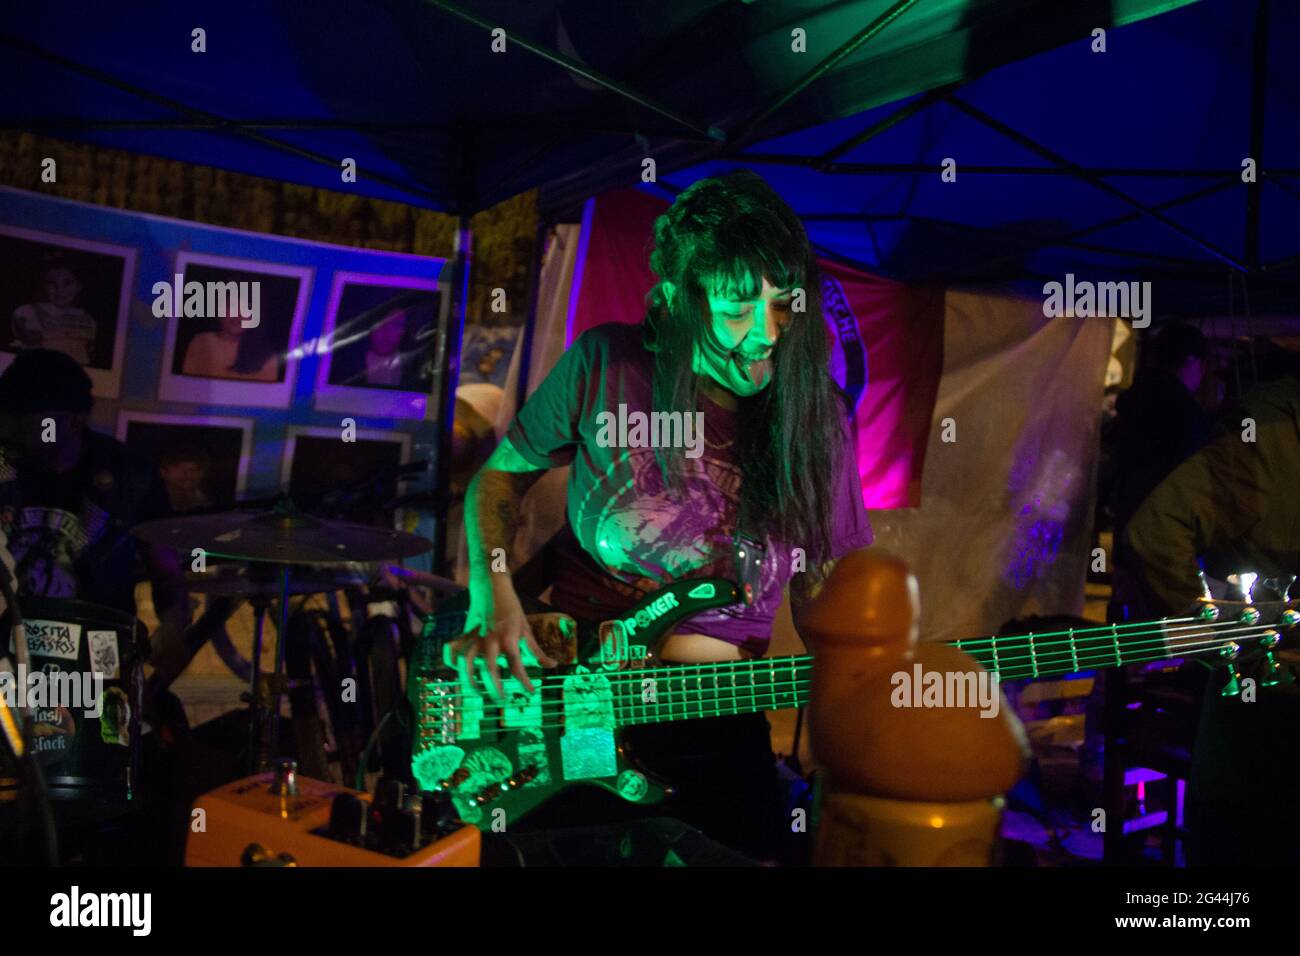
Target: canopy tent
1125,163
1122,165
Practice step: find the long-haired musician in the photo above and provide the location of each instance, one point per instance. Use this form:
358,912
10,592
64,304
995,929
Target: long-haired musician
734,333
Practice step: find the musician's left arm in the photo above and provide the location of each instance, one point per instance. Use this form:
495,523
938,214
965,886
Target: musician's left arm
804,588
171,602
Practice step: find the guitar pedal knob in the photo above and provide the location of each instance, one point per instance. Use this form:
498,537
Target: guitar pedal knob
285,783
437,814
402,830
348,819
488,794
257,855
389,794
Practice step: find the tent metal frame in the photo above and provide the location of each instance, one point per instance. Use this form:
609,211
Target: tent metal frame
203,116
828,162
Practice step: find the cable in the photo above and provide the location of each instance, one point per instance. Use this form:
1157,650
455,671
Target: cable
36,776
365,753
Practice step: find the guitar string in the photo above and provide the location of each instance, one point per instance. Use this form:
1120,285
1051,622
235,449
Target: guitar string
630,717
1015,642
1105,634
701,696
1094,656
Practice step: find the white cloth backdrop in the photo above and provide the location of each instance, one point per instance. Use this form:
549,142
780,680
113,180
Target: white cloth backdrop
1006,509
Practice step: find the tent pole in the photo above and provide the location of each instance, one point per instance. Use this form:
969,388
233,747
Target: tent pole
1103,226
1259,85
1042,242
530,323
580,69
924,101
446,375
897,169
751,129
1088,177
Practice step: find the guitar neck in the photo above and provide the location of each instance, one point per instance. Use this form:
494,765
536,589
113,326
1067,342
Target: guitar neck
680,692
1060,653
686,691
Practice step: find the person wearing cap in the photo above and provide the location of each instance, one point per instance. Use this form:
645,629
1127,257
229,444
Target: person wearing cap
70,495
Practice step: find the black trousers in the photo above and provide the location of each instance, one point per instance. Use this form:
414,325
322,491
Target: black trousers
724,776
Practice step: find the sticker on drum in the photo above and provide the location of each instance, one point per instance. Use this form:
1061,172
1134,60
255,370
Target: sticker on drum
61,639
115,722
104,658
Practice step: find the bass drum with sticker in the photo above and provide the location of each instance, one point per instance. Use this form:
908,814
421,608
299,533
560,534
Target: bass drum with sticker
85,686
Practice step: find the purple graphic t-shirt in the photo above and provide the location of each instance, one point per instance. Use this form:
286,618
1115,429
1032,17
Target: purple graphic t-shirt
628,534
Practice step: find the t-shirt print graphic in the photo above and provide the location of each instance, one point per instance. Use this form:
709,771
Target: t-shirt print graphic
639,530
46,543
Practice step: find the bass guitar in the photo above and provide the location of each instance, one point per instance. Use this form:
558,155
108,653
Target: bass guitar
500,758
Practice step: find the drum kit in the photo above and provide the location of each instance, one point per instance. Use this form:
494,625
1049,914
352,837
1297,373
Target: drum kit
261,556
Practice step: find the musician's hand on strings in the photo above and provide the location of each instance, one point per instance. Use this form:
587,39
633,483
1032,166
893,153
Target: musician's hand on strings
496,625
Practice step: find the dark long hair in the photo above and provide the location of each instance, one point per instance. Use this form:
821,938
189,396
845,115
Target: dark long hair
728,233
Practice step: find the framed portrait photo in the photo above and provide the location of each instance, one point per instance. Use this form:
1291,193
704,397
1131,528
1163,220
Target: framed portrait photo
203,459
233,330
377,345
68,294
317,461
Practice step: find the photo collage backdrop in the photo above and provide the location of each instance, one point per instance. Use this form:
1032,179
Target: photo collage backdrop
343,334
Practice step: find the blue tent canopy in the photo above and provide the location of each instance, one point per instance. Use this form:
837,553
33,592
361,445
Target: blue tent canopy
1126,164
1123,164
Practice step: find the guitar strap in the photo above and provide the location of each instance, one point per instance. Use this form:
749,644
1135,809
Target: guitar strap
748,551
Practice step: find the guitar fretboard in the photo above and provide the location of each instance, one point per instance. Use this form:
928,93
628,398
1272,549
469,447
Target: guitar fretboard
683,691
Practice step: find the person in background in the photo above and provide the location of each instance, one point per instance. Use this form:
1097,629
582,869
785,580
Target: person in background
1232,507
1158,424
232,352
69,497
184,467
384,356
56,322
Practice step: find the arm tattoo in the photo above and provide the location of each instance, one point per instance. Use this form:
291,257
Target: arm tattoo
492,503
805,587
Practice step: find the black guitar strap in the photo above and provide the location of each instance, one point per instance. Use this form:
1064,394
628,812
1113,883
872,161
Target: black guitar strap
748,550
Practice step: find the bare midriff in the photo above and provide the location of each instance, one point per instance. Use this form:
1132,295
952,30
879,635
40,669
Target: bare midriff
700,649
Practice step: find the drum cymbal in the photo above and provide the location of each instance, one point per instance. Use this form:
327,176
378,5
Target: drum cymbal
281,536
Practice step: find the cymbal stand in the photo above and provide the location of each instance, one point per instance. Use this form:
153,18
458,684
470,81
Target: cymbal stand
263,742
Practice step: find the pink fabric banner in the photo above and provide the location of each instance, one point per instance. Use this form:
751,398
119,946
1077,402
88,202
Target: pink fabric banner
885,334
